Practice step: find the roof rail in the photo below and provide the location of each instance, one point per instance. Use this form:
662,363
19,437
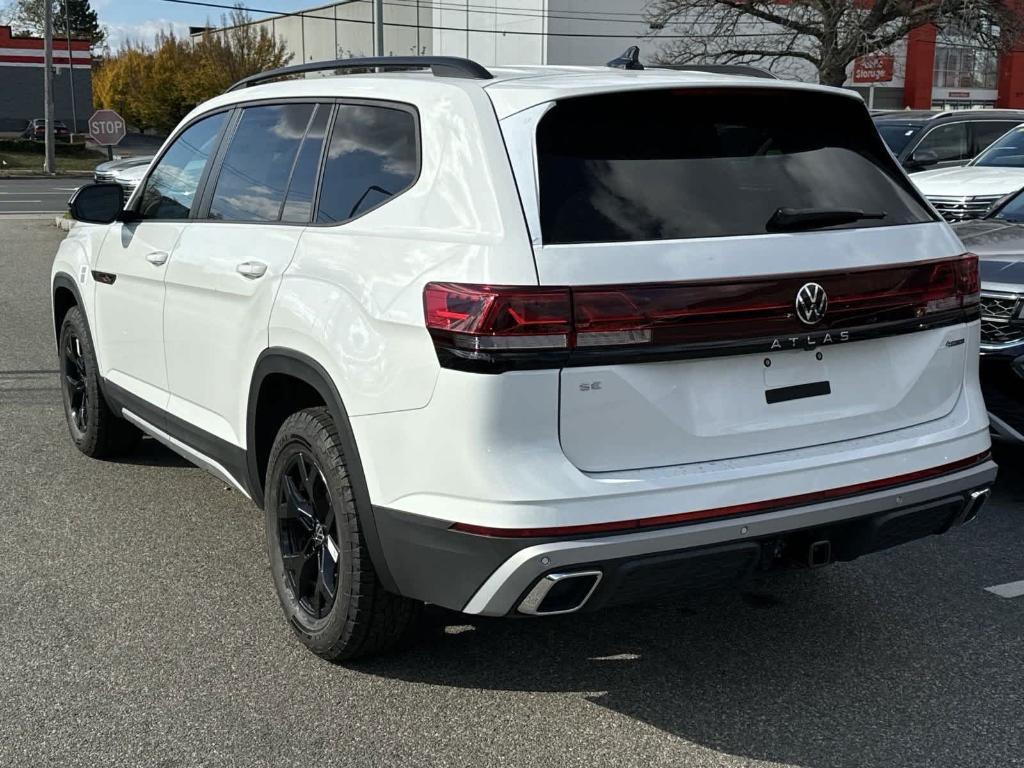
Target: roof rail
440,66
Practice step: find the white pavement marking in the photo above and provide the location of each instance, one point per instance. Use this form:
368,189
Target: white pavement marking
1013,589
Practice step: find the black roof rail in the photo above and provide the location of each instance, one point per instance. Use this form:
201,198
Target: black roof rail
440,66
747,70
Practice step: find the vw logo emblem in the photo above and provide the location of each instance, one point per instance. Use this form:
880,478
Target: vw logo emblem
811,304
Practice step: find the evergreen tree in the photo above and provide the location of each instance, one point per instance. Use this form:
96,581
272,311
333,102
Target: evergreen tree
27,17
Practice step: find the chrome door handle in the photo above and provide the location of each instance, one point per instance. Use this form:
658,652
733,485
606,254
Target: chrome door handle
157,258
252,269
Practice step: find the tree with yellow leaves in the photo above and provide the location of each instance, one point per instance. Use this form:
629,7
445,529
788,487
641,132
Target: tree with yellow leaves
154,87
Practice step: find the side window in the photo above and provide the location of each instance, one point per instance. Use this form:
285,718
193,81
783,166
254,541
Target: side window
171,186
298,206
253,178
987,131
372,157
948,142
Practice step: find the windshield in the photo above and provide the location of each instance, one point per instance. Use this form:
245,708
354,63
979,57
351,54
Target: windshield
1012,210
685,163
1006,152
897,136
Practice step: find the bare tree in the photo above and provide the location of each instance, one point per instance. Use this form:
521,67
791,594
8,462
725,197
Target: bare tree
828,34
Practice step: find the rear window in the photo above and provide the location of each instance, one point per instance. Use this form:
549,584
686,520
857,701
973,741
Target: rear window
897,136
670,164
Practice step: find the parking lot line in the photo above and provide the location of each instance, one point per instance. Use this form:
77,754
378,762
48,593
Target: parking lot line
1011,589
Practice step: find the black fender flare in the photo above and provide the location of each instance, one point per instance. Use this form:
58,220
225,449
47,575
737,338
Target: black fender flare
64,280
303,367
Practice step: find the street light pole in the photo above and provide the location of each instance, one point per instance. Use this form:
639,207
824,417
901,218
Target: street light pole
49,164
378,27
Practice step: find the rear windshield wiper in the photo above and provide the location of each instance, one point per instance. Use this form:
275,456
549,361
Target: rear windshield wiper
800,219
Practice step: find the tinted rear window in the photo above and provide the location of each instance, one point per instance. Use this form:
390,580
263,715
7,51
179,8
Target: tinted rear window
897,136
660,165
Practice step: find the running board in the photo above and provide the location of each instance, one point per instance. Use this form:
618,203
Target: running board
186,452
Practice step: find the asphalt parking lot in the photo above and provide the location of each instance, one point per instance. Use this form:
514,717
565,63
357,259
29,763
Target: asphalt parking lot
140,627
37,195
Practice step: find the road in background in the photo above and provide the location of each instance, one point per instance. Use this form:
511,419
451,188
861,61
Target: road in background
140,628
37,195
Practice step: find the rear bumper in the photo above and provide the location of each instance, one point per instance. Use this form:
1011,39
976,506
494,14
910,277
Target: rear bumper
492,576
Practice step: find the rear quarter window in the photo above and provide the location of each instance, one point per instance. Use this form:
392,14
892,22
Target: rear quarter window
683,163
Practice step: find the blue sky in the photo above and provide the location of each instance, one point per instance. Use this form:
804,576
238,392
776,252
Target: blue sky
141,20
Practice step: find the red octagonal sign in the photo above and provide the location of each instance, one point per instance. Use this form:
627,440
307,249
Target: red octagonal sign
106,127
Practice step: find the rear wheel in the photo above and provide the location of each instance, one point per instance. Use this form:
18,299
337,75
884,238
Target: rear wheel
326,583
94,428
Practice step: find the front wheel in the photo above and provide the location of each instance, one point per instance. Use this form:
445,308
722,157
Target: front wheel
326,583
94,428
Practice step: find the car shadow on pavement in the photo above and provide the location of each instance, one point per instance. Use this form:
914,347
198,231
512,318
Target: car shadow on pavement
838,667
153,453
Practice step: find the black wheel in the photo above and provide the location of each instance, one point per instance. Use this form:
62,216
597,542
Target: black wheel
326,583
95,430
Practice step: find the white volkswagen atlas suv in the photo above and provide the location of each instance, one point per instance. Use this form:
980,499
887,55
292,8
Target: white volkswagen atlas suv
531,340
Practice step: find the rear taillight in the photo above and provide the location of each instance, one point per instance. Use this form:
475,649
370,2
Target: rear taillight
487,317
496,328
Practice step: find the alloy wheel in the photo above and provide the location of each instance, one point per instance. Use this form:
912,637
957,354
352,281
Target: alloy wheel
75,382
307,534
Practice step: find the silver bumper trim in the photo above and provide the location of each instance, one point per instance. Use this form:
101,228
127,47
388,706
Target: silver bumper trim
500,593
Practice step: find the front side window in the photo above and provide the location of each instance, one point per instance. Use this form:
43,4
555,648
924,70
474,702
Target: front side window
1007,152
171,187
681,163
948,142
372,156
253,178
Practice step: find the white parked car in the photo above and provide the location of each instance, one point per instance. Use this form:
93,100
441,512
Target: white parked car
485,340
129,178
104,172
969,191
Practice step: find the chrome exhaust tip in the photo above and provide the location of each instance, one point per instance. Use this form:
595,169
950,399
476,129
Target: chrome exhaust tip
559,593
975,501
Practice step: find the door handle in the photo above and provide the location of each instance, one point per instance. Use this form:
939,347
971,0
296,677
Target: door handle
157,258
252,269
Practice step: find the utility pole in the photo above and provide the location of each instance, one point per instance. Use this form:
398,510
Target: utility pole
49,165
378,27
71,69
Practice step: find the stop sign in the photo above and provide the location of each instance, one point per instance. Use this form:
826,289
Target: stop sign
106,127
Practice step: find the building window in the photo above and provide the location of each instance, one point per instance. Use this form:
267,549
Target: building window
964,67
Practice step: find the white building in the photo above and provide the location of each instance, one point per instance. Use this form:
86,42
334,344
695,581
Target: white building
488,31
925,69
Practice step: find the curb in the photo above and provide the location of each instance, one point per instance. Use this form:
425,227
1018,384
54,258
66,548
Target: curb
62,223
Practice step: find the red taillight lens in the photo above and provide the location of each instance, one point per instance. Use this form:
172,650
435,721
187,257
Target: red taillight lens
496,317
968,279
590,325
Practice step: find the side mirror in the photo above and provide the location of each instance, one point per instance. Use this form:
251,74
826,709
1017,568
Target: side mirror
924,158
97,203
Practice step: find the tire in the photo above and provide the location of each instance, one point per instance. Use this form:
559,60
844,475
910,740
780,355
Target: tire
325,581
94,428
